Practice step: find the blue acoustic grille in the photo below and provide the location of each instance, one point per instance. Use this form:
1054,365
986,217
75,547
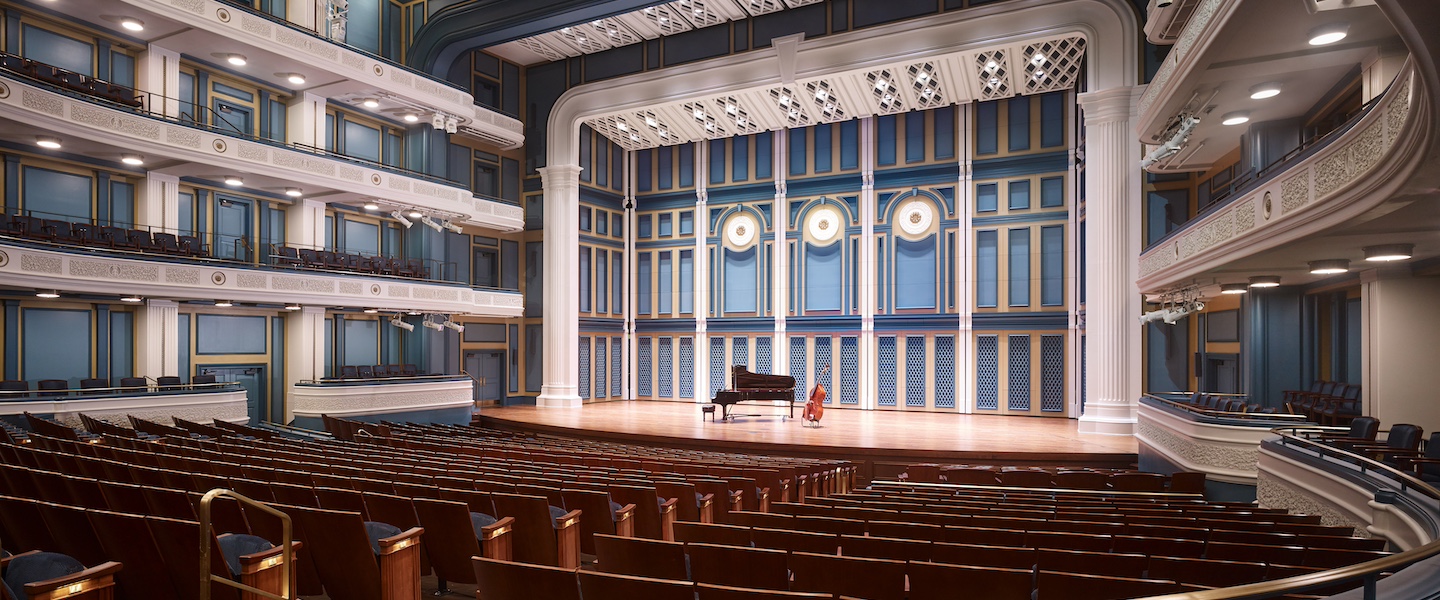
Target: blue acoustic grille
615,363
740,351
823,358
1052,373
645,386
602,366
914,370
944,371
584,367
717,365
687,367
763,362
797,367
987,376
667,368
1019,372
887,371
850,370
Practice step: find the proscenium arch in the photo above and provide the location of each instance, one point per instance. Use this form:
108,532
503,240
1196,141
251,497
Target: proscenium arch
1109,26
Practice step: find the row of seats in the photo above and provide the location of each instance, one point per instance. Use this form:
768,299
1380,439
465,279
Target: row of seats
377,371
1403,447
309,258
1228,403
1072,478
72,81
104,236
16,388
1325,402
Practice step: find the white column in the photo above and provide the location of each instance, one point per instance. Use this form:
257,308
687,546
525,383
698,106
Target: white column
1074,355
157,339
305,120
780,285
965,366
305,13
560,387
158,73
305,224
701,287
632,377
304,350
1398,330
869,380
1112,191
158,203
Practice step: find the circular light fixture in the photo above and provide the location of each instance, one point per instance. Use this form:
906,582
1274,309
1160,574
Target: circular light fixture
47,141
1234,288
1235,118
1265,281
293,192
1269,89
370,103
132,298
413,313
233,180
411,117
295,78
371,205
236,59
47,294
132,159
1329,266
292,306
415,214
371,311
224,303
1389,252
1329,33
132,24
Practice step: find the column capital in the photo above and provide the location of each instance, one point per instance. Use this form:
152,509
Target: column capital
159,177
560,175
311,311
1110,105
311,203
152,303
701,197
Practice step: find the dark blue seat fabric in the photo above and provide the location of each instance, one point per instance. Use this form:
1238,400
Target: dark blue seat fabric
38,567
555,513
699,498
479,521
376,530
236,545
614,508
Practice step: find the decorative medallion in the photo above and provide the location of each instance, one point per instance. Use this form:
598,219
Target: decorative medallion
1267,206
217,278
4,258
4,91
374,289
223,15
219,145
740,230
824,224
375,178
915,217
379,70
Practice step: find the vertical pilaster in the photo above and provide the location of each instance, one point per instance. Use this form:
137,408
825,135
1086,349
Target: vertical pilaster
305,224
157,206
868,357
560,386
304,349
700,302
158,74
631,355
1112,245
780,285
305,14
1075,350
1398,329
964,276
305,120
157,339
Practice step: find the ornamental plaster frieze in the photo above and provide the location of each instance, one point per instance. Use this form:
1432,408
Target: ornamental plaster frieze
161,408
24,266
1273,492
1317,193
293,42
351,400
1223,452
64,115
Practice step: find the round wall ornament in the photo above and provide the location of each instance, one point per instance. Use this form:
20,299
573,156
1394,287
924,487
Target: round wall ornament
824,224
915,217
740,230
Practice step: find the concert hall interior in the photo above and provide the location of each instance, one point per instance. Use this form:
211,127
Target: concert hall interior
719,299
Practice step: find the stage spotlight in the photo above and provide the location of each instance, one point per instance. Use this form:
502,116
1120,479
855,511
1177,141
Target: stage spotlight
455,326
430,323
429,222
437,121
451,226
452,125
398,322
401,218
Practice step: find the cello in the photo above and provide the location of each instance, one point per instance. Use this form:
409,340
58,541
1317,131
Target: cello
815,406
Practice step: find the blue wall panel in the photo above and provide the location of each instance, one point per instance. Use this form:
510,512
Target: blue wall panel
987,268
229,334
914,136
987,128
823,277
823,148
740,280
764,154
885,140
56,344
59,50
1019,267
122,344
1052,265
1019,123
362,342
915,273
57,195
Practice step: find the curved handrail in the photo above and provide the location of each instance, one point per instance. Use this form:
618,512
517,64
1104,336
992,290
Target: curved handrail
1368,571
1225,414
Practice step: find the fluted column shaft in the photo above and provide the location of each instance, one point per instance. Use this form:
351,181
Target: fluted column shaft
561,375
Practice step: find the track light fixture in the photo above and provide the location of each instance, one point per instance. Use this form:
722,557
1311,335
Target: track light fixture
398,322
401,218
437,121
1172,145
1329,266
452,325
430,323
1265,281
451,226
452,125
1389,252
1175,305
429,222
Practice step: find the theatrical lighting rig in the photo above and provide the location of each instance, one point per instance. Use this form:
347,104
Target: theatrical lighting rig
1175,305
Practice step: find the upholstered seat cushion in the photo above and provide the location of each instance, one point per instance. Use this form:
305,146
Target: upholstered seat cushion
376,530
615,508
699,499
480,521
555,513
236,545
38,567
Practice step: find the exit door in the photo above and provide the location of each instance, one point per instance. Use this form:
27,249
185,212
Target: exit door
252,378
488,370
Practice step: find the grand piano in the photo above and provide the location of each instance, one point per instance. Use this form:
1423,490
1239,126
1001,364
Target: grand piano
755,387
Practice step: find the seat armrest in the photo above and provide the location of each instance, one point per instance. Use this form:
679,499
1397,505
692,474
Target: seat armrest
94,582
737,500
401,541
567,540
707,508
764,500
497,539
265,570
625,521
667,519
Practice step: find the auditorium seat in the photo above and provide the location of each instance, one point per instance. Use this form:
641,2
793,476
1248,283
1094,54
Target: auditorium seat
53,387
1401,440
541,537
888,548
1136,481
1025,478
641,557
1004,557
933,581
38,574
758,568
1078,586
1081,480
721,592
848,576
1094,563
796,541
505,580
360,559
454,534
654,517
598,514
608,586
701,510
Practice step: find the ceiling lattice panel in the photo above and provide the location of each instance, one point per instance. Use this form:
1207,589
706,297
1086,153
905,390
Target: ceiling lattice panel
1053,64
994,75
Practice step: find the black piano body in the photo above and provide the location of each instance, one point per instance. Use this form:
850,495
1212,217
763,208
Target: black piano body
755,387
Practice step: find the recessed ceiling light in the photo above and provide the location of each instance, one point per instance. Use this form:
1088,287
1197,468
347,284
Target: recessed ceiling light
370,103
371,311
132,298
1234,288
132,24
1269,89
1265,281
293,192
47,294
1235,118
233,180
415,214
292,306
411,117
47,141
1329,266
236,59
1329,33
1389,252
295,78
132,159
224,303
371,205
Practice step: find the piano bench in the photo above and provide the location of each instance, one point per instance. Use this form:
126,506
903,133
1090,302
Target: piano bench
707,409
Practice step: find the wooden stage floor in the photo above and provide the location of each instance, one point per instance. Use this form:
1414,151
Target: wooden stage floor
884,438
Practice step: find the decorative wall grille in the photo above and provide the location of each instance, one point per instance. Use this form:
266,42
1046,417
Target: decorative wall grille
987,376
850,370
1018,361
584,367
667,368
1052,373
887,371
687,367
944,371
915,370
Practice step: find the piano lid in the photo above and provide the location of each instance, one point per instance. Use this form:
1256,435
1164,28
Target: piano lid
741,378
